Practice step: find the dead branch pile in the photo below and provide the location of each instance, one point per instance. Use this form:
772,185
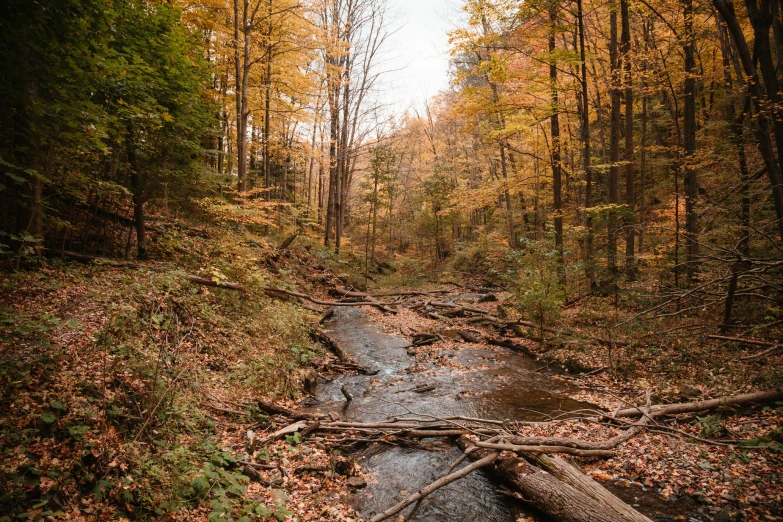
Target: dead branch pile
527,464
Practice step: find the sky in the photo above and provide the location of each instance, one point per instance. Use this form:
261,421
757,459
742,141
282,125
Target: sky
418,50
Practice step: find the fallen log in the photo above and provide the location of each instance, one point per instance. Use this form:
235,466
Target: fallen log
277,409
572,475
332,346
307,306
584,445
511,345
213,283
547,493
313,426
326,316
367,297
557,499
288,430
424,434
404,293
761,354
691,407
469,336
278,293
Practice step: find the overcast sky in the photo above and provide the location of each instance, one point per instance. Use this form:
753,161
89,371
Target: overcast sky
419,49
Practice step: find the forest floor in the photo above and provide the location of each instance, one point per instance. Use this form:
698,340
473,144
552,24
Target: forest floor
129,392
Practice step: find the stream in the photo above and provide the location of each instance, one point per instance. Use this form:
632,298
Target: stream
470,381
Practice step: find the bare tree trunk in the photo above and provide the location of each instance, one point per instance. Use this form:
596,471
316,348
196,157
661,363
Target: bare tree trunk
764,139
241,78
736,124
137,190
557,178
589,266
630,199
614,146
689,146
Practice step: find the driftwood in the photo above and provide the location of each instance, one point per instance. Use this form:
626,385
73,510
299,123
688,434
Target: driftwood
691,407
346,393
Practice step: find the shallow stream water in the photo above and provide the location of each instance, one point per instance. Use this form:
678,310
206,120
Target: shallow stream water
470,381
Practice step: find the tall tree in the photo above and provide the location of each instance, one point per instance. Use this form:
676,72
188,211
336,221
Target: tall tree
630,199
614,142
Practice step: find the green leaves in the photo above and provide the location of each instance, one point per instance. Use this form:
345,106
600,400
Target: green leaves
294,439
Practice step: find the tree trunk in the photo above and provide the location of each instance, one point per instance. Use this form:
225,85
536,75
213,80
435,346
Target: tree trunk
589,266
557,181
764,139
570,474
241,77
137,190
630,199
689,147
556,499
614,146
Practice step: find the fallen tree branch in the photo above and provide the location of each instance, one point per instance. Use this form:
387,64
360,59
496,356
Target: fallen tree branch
362,295
443,481
740,340
759,355
547,449
277,293
217,284
691,407
277,409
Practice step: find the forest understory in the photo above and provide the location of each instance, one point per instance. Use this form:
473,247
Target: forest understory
156,389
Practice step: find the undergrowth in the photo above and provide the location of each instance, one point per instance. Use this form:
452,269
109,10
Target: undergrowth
108,373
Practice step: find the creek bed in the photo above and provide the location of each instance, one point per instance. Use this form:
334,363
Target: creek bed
470,381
